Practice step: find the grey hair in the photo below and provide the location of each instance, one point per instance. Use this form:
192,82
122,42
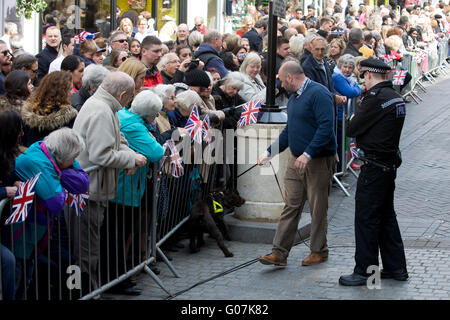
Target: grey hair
163,90
235,79
16,41
165,60
146,104
94,75
251,57
65,144
187,99
195,39
346,59
355,35
10,26
211,35
117,82
318,38
296,45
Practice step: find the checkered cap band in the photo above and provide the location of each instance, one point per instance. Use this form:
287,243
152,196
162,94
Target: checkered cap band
374,70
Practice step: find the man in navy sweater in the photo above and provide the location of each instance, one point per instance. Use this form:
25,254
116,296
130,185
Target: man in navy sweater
309,134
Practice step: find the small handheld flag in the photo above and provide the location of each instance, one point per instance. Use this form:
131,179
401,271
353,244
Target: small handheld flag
399,78
175,160
206,130
249,113
421,56
77,201
354,154
194,125
22,201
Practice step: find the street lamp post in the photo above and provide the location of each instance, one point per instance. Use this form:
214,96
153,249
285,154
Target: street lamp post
269,112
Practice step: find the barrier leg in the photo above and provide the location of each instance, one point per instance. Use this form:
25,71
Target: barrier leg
340,184
157,280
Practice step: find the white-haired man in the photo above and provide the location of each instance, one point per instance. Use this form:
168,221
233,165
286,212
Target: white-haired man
99,126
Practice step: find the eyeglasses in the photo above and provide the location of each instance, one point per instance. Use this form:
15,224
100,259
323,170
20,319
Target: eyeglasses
121,40
124,58
6,52
203,89
34,71
199,25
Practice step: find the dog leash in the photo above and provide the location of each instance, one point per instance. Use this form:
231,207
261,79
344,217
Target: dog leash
247,170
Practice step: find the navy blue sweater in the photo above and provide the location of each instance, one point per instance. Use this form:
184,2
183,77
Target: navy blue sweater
310,126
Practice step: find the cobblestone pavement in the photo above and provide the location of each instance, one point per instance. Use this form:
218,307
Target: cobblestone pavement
422,203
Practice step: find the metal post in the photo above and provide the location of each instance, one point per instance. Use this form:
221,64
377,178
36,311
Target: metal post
112,14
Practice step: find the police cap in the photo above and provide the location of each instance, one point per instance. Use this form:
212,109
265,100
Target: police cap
374,65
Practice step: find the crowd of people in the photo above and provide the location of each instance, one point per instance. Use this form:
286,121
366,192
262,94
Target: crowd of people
125,95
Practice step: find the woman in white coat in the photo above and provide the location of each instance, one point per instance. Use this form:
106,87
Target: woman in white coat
253,85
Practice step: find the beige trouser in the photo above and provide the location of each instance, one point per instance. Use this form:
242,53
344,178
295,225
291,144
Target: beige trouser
312,184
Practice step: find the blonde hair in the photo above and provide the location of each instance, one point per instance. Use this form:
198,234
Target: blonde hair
393,42
133,67
250,58
88,46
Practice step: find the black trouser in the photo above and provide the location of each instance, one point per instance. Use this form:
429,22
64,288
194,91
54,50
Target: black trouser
376,227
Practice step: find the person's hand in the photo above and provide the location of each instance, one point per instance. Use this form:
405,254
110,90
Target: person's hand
263,158
18,184
184,65
11,192
140,160
131,171
301,162
201,65
340,100
182,131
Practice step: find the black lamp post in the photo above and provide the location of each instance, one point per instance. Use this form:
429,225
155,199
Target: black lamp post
269,112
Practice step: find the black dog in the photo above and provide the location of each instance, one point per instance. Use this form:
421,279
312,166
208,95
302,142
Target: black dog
207,216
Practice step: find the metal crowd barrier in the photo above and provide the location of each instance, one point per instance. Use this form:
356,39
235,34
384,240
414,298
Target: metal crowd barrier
343,152
425,70
81,256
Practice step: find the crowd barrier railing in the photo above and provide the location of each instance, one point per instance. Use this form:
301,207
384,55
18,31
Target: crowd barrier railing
126,219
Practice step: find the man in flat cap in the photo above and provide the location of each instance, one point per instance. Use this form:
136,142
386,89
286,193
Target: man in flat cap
377,125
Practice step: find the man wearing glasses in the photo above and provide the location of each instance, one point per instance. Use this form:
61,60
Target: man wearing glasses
199,25
5,60
119,40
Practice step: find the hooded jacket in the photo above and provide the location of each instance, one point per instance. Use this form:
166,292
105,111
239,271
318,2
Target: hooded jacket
37,127
211,58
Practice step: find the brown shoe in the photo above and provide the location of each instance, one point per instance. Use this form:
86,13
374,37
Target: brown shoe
272,259
313,258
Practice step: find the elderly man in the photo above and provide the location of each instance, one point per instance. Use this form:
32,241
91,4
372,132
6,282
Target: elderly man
50,52
317,68
10,30
118,40
199,25
99,126
208,52
311,164
92,79
183,35
5,60
172,70
151,52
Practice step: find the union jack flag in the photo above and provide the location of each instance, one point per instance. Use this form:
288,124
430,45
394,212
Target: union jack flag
22,201
354,154
421,56
194,125
399,78
387,58
249,113
176,162
77,201
206,130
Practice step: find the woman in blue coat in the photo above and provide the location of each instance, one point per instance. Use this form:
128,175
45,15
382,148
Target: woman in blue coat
54,159
345,84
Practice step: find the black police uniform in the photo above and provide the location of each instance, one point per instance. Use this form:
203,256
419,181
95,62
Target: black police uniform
377,126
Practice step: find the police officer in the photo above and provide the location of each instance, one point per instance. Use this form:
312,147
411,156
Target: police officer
377,125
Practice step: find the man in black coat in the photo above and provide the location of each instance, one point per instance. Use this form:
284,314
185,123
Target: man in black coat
255,36
50,52
355,41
